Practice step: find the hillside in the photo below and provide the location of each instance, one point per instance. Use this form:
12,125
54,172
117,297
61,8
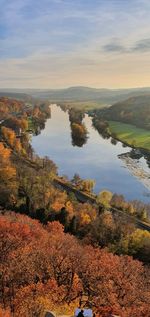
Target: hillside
135,110
131,135
45,269
79,93
9,106
54,248
16,95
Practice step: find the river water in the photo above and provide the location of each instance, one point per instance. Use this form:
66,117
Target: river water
97,159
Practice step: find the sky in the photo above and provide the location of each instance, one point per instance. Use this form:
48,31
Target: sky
62,43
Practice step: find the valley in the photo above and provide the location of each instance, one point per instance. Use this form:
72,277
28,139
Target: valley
96,159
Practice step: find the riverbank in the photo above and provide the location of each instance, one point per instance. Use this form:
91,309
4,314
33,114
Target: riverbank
97,159
130,135
136,169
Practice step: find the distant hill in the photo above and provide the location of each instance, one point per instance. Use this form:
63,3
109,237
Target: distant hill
16,95
106,96
134,110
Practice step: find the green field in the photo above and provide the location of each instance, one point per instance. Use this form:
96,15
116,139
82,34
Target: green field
130,134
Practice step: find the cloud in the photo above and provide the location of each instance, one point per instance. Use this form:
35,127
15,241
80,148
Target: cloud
142,46
114,48
61,70
65,41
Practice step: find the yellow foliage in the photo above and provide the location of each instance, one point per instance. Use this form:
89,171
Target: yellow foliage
4,153
57,206
69,207
18,146
135,241
24,124
6,170
59,201
108,219
139,237
84,219
104,198
7,176
9,135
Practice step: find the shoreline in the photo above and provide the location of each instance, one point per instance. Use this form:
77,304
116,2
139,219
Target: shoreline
136,169
129,144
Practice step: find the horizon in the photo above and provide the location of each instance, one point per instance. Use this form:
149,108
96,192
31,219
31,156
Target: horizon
76,86
61,43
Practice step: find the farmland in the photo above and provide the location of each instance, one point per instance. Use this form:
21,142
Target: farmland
130,134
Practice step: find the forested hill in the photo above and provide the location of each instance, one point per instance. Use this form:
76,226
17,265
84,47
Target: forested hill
16,95
135,110
77,93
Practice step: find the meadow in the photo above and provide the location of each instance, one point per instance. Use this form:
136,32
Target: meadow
130,134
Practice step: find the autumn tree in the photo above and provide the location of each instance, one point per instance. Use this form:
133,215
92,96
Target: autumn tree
102,230
87,185
79,134
76,115
8,135
137,244
43,267
104,198
8,185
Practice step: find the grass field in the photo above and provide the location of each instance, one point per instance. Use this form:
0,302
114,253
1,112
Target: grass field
130,134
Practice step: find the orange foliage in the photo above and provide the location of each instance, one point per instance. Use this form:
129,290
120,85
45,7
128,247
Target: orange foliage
8,105
24,124
9,135
4,312
7,171
59,201
42,267
69,208
18,146
4,153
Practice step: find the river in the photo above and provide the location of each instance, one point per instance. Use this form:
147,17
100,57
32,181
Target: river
97,159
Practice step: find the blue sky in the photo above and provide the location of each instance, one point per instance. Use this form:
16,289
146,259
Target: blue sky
60,43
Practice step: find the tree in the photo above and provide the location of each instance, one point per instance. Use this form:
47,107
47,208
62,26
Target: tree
42,267
137,244
79,134
104,198
102,230
8,135
87,185
4,312
36,187
76,115
76,179
8,184
112,281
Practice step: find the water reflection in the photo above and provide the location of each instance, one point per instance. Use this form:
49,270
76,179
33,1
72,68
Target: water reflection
79,134
97,159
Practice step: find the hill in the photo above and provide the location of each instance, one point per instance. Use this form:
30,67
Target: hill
80,93
135,110
16,95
